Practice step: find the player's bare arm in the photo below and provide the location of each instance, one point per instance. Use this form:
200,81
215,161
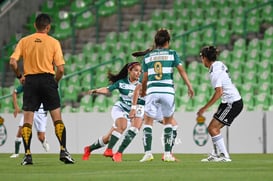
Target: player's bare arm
184,75
217,95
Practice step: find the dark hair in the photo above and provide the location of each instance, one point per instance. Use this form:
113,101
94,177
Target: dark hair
210,52
161,37
42,20
123,73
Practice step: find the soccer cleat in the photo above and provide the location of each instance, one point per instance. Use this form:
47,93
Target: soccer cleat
27,160
222,158
86,153
45,146
14,155
108,152
211,158
147,157
66,157
162,158
117,157
168,158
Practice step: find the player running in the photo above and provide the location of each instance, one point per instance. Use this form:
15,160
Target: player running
125,81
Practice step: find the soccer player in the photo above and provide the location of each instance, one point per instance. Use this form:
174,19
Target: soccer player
136,115
230,107
125,81
43,68
40,121
158,85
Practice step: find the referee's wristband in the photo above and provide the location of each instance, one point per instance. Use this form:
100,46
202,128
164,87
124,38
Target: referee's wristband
133,106
19,76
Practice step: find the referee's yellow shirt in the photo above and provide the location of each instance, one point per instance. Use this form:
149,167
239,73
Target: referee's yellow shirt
40,52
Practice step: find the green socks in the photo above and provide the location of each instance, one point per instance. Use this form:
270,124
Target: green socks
129,136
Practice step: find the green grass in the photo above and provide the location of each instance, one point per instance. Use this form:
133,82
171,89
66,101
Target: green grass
250,167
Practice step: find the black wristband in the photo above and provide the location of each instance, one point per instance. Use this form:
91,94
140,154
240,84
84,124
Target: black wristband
19,76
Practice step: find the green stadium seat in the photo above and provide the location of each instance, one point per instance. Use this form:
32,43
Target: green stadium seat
128,3
108,8
223,36
237,25
236,77
61,3
253,24
62,30
253,54
77,6
192,4
238,55
248,101
85,20
112,37
254,43
198,13
225,56
211,12
266,14
267,54
193,47
85,81
262,102
250,77
238,10
250,65
240,44
268,34
194,23
266,44
208,37
49,7
101,104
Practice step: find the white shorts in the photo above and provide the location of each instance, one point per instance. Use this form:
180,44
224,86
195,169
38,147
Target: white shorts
39,120
118,112
157,104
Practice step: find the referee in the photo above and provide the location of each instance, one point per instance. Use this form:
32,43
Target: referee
42,55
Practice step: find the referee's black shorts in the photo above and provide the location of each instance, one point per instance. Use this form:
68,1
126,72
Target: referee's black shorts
40,88
227,112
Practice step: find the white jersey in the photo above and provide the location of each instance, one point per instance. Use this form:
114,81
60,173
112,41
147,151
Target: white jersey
219,77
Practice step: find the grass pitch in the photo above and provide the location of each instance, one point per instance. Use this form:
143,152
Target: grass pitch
250,167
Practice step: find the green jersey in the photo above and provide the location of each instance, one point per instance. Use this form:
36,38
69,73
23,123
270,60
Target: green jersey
160,64
126,90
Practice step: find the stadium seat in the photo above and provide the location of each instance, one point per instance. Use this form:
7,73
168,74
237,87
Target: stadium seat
128,3
266,43
50,7
253,24
237,25
240,44
253,54
225,56
248,101
223,36
268,34
85,20
262,102
238,56
101,103
254,43
62,30
266,14
77,6
108,8
249,77
250,65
